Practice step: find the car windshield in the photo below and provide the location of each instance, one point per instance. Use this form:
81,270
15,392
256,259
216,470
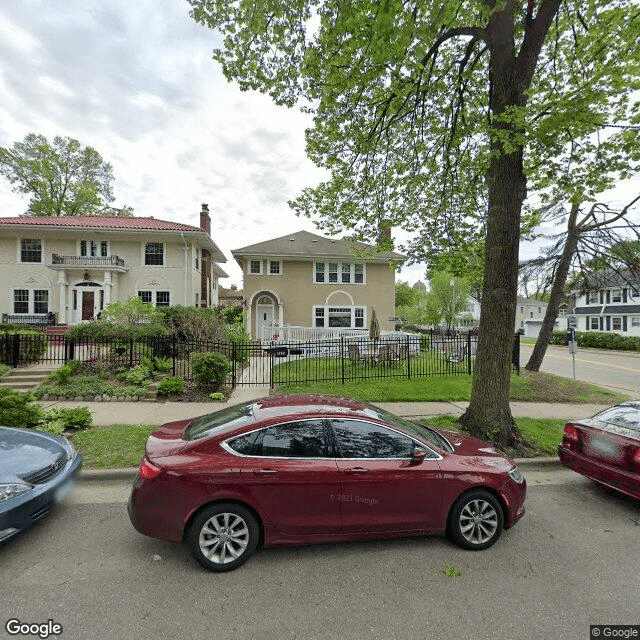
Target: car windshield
419,431
627,416
221,421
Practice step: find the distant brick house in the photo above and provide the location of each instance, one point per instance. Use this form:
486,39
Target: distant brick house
74,266
312,281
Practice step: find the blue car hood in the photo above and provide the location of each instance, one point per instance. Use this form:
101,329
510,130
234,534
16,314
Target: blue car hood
23,451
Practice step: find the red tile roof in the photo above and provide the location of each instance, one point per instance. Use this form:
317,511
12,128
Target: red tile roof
103,222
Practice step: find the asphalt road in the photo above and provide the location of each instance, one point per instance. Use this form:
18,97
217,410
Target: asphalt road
614,370
572,560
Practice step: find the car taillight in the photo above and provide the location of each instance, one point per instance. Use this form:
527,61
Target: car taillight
147,470
571,432
636,458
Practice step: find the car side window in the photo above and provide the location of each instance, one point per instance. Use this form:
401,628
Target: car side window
299,439
359,439
243,444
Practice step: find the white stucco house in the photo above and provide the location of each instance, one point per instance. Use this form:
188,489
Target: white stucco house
74,266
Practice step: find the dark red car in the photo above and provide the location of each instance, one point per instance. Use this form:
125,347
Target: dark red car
295,470
606,448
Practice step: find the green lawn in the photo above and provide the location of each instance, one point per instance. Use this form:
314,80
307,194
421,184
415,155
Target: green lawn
121,445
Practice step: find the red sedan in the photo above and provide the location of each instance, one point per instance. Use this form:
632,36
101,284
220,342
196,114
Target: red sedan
296,470
606,448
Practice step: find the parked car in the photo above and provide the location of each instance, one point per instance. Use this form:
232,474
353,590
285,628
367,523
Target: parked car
294,470
606,448
37,470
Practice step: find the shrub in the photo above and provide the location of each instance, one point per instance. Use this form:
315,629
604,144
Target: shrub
17,409
74,418
4,368
32,347
216,396
162,365
238,335
210,368
171,386
138,375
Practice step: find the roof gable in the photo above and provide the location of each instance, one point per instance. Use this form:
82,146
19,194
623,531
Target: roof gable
99,222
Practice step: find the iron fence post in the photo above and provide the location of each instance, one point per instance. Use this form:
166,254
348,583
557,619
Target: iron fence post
342,356
15,351
173,354
408,359
233,365
469,352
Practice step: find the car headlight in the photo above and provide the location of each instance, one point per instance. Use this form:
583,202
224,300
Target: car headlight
8,491
516,476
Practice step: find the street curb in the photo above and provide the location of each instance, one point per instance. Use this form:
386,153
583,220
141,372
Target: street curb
129,473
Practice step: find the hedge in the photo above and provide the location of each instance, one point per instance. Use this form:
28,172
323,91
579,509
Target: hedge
599,340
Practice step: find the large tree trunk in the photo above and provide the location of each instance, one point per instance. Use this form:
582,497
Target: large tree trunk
557,289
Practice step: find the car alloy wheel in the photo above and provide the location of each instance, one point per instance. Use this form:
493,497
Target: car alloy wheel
476,520
223,536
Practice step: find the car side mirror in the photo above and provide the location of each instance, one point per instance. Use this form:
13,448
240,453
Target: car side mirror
419,454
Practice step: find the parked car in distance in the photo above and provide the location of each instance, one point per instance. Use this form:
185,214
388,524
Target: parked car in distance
37,470
606,448
292,470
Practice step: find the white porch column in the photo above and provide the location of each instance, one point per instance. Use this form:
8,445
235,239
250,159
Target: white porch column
62,287
249,320
281,315
107,287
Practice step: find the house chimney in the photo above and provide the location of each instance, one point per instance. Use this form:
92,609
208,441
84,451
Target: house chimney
384,234
205,218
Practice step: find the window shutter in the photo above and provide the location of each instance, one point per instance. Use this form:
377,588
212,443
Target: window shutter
602,297
624,298
608,323
624,322
588,326
608,296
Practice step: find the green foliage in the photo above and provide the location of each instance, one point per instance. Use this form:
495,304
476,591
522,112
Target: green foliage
62,178
452,572
67,418
231,312
238,335
138,375
216,396
4,368
194,323
171,386
32,346
162,365
17,409
599,340
210,368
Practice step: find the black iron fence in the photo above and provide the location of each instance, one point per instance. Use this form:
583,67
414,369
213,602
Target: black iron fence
268,363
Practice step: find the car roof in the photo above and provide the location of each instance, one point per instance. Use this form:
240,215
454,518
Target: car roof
291,405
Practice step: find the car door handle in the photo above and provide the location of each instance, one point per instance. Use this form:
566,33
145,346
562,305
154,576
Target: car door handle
265,472
357,470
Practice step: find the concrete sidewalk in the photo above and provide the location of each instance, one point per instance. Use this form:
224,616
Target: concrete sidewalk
108,413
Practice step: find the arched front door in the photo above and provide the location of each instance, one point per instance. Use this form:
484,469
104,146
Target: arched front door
88,301
265,316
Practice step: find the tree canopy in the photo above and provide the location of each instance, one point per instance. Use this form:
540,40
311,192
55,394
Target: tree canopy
62,178
434,116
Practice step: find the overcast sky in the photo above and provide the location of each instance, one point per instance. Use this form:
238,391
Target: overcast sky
135,80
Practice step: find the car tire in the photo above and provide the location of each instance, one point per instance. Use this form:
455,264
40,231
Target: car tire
476,520
223,536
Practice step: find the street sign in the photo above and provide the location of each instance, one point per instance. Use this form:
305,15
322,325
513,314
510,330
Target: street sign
572,321
573,348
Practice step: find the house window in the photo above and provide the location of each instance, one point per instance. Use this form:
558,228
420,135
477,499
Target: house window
594,323
616,295
635,321
21,301
531,314
40,301
196,300
146,296
94,248
31,250
335,272
255,267
162,298
521,309
197,261
339,317
154,253
539,310
592,297
616,323
275,268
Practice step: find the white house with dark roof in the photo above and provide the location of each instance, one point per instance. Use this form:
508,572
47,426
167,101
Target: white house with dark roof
309,281
609,301
74,266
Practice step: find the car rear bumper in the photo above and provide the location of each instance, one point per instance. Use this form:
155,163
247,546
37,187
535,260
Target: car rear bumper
19,513
598,470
